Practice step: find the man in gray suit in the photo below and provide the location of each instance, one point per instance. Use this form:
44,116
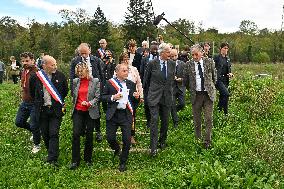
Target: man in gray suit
179,88
200,78
158,81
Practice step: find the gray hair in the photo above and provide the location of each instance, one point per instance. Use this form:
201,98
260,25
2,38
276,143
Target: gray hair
118,67
163,47
197,47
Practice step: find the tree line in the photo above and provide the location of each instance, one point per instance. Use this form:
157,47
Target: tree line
60,40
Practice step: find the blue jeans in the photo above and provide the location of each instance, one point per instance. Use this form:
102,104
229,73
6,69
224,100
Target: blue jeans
25,111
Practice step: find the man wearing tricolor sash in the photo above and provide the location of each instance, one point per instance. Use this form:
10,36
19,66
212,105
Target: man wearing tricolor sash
119,93
49,88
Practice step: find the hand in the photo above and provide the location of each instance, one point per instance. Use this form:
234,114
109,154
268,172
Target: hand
117,96
136,95
84,103
141,100
230,75
178,79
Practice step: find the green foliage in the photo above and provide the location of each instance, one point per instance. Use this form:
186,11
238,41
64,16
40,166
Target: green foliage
261,57
247,149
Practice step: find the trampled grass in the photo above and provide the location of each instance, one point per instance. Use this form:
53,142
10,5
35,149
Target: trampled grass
247,149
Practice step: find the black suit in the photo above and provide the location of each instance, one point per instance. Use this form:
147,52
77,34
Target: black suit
179,92
159,98
223,67
116,117
49,117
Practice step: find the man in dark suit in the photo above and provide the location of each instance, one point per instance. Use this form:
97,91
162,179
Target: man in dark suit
119,111
200,79
48,108
158,81
223,66
94,64
144,63
179,87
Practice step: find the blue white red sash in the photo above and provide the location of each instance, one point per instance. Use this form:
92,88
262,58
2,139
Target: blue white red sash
117,85
101,52
49,86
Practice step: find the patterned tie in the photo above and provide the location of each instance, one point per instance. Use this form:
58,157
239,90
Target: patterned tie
164,71
201,76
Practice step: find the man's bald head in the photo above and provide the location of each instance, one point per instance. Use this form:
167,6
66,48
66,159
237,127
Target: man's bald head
49,64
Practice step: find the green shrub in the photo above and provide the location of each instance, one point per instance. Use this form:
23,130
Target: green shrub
261,57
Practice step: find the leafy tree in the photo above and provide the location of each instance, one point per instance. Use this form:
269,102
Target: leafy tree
138,21
99,28
248,27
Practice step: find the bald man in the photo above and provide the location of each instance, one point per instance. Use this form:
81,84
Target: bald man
48,107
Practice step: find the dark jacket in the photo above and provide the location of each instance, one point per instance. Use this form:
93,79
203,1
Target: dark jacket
96,68
222,67
36,90
136,60
159,89
109,90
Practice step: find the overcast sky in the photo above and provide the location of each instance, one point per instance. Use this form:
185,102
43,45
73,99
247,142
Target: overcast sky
224,15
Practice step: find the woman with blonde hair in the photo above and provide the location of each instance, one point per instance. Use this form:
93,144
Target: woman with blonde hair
85,93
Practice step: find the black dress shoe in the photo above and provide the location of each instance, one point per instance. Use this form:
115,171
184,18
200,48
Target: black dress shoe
99,137
207,145
153,153
74,166
122,167
162,146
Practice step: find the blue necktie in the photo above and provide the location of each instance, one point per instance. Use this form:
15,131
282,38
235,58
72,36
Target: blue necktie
164,71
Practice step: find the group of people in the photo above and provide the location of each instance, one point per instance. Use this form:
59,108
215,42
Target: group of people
154,76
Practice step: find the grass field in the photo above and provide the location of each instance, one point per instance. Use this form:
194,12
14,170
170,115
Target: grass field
247,147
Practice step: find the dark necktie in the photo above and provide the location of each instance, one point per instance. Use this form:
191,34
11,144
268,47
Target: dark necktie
164,71
201,76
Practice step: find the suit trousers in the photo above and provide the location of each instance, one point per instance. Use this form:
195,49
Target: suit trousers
157,111
203,102
1,77
147,112
50,126
82,122
179,98
222,87
119,119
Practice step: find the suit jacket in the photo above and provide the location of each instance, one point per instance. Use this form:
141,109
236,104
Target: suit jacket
143,67
179,74
159,89
96,68
210,78
93,96
220,66
36,90
109,90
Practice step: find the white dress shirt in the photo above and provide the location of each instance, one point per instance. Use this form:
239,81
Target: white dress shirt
198,78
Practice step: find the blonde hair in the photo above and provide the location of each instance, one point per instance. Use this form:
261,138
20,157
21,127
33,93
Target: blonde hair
82,66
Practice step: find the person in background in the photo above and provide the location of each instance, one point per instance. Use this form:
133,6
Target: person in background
158,82
224,73
206,48
200,78
179,88
120,94
48,88
27,109
134,57
15,69
2,71
145,45
101,52
86,94
133,75
39,61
